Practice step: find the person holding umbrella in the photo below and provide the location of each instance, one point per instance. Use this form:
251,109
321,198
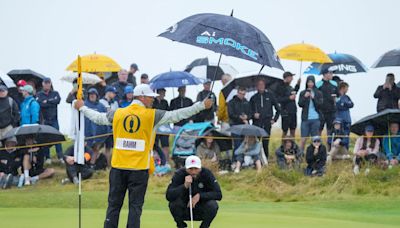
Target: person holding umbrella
366,149
222,111
262,104
248,153
388,94
134,133
193,194
10,162
391,145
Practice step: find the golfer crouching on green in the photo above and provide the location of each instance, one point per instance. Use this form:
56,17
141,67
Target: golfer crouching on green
193,194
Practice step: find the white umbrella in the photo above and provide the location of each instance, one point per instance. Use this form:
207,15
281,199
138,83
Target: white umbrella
87,78
6,80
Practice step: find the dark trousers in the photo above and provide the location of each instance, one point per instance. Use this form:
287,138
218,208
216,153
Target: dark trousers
369,159
237,140
327,118
135,181
204,211
267,128
72,171
58,146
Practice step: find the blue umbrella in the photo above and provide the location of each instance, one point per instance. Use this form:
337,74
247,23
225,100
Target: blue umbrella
226,35
342,64
390,58
174,79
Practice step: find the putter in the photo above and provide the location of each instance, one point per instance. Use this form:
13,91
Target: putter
191,206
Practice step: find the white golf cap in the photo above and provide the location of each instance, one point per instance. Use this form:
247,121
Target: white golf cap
144,90
193,162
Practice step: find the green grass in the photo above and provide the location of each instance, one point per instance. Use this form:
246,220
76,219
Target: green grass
273,198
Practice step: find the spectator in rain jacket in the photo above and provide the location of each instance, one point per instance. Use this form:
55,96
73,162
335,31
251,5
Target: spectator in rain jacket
30,108
92,129
388,94
48,100
121,84
316,158
9,112
338,142
392,148
262,104
288,155
127,98
222,111
181,102
343,105
206,115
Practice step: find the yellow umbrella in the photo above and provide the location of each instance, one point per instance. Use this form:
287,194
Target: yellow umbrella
95,63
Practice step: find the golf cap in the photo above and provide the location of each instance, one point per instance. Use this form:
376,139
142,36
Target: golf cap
337,121
27,88
21,83
93,91
47,80
128,89
369,128
144,90
111,89
192,162
134,66
316,139
3,88
288,74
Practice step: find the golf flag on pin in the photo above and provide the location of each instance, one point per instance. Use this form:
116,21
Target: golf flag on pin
79,122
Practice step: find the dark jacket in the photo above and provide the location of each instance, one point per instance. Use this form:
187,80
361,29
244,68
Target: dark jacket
120,86
92,129
180,102
132,79
10,162
316,162
263,103
343,105
304,102
205,184
237,107
72,96
338,134
295,150
48,105
161,105
387,98
283,92
70,152
207,114
328,88
9,114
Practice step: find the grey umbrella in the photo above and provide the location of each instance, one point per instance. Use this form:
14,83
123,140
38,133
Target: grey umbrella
390,58
248,130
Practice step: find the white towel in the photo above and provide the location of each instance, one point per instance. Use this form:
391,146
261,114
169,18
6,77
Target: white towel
77,133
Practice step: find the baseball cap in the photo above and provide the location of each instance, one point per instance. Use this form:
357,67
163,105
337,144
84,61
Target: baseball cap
144,90
93,91
134,66
128,89
207,81
110,89
369,128
21,83
288,74
337,121
316,139
27,88
3,88
144,76
192,162
47,80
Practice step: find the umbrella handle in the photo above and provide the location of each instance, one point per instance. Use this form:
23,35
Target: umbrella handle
215,73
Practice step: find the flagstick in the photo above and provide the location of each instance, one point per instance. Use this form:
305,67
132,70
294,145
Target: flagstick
80,197
79,96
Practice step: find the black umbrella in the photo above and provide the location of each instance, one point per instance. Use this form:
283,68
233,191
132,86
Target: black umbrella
248,130
342,64
380,121
224,141
41,133
390,58
225,35
204,69
27,75
249,82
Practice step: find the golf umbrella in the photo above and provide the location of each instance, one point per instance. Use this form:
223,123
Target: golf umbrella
202,68
6,80
27,75
95,63
174,79
303,52
342,64
87,78
380,121
225,35
390,58
41,133
249,83
248,130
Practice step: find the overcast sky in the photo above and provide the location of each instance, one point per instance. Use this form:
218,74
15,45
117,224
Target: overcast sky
47,35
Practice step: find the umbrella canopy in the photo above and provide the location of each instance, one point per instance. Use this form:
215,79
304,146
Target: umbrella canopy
41,133
224,141
226,35
248,130
304,53
380,121
27,75
203,69
6,80
86,77
342,64
95,63
248,82
174,79
390,58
